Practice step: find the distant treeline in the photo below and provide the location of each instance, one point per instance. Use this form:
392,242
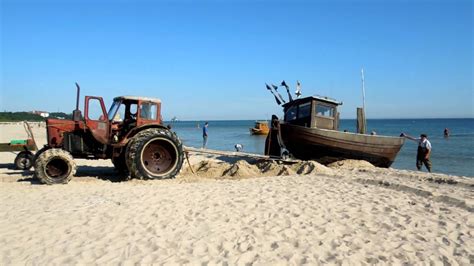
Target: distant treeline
26,116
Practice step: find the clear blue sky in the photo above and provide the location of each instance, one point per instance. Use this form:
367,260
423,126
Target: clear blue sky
210,60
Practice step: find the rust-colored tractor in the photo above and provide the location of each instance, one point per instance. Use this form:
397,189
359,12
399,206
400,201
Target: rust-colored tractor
131,133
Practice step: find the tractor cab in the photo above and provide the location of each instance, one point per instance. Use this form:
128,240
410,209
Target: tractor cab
126,114
135,110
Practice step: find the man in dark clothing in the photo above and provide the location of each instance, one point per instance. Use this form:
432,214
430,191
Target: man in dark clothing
424,151
272,146
204,135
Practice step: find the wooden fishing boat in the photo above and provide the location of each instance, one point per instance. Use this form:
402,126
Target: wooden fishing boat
260,128
310,132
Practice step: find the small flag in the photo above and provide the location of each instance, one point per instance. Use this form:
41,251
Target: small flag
276,98
279,95
283,83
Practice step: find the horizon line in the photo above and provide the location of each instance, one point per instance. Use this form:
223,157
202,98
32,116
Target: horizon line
429,118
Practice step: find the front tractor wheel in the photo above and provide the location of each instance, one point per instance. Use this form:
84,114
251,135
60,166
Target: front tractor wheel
55,166
155,154
24,160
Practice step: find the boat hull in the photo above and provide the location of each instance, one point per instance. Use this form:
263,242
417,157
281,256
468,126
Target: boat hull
327,146
256,131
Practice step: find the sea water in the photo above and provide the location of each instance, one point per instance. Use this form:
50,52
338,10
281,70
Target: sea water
453,155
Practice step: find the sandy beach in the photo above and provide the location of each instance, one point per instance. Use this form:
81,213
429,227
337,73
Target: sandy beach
235,212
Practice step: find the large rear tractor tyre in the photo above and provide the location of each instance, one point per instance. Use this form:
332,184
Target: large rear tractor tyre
55,166
131,142
155,153
24,160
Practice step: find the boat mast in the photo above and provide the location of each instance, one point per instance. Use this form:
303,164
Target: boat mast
363,98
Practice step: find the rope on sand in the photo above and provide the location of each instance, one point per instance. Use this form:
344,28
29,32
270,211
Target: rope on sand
238,154
186,153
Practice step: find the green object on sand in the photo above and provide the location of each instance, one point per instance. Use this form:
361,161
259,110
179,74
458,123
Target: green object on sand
18,142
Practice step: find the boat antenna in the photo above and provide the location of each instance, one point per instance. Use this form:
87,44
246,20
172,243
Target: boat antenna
363,98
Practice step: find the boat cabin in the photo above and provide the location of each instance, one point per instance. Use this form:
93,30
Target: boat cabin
313,112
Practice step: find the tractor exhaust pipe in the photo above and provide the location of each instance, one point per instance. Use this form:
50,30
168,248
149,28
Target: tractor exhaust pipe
76,114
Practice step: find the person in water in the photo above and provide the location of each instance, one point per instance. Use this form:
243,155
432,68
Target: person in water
204,135
446,132
424,151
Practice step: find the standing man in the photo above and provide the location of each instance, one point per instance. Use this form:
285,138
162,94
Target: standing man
424,151
204,135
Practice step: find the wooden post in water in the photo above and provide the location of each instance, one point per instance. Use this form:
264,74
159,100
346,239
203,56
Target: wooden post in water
361,128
